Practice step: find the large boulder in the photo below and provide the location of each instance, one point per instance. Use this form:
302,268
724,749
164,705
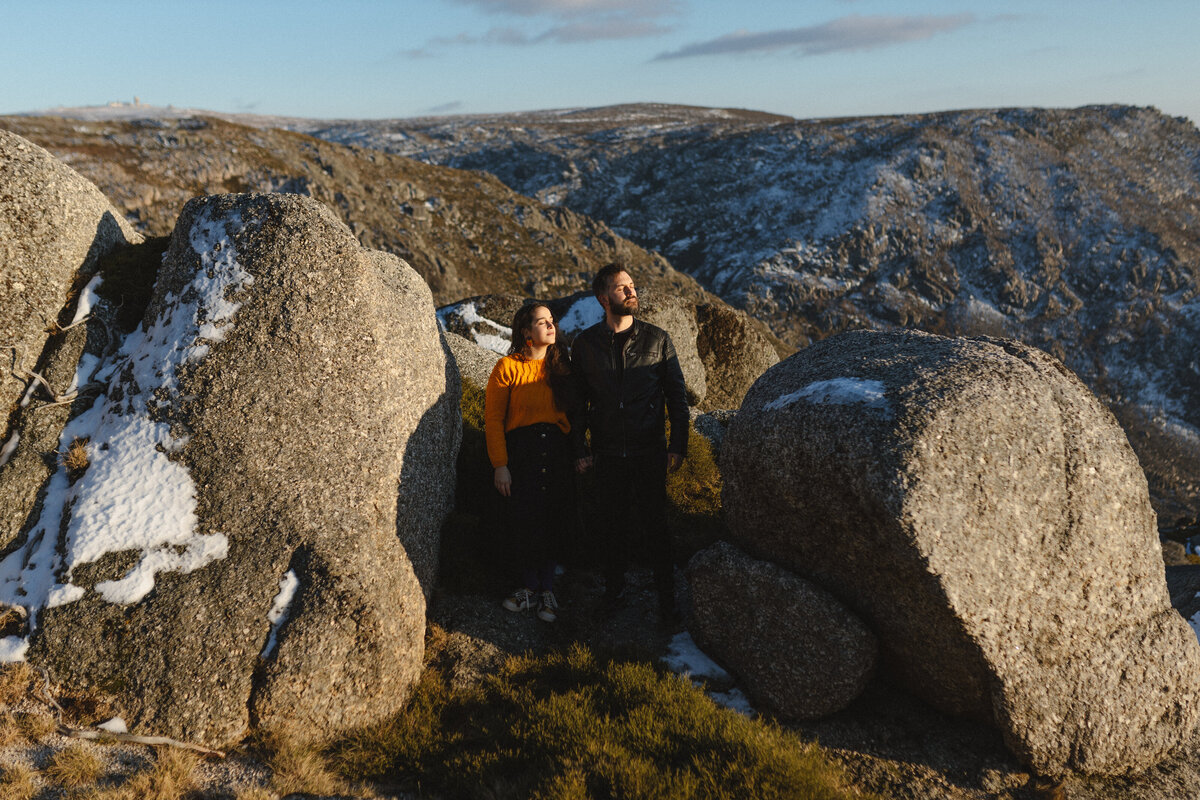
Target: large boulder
794,647
54,227
267,472
677,317
475,363
985,515
734,352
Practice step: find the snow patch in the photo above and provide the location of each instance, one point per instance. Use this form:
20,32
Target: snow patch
685,658
87,300
281,608
468,312
583,313
133,496
114,725
837,391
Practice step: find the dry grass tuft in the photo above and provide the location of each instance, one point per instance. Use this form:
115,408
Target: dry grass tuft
36,726
74,766
256,793
15,681
172,777
300,769
75,460
18,782
10,729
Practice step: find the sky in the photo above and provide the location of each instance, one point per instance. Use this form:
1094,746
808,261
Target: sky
803,58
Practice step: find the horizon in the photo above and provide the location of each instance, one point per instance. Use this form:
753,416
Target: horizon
831,59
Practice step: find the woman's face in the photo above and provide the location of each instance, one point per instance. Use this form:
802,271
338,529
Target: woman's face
541,329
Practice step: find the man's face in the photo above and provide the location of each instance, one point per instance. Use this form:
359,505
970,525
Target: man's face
621,297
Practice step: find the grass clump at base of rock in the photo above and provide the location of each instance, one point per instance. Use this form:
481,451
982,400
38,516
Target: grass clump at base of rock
74,767
571,725
694,499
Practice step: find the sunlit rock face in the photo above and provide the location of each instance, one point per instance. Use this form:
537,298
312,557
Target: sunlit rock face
252,541
984,514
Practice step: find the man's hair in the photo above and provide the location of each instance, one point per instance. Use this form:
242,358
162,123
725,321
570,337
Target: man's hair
604,276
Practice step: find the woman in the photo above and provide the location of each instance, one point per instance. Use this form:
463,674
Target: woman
525,423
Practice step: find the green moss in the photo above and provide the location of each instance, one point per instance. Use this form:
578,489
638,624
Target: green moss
694,499
570,725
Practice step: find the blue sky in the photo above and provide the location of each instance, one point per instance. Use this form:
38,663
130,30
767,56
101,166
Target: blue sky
820,58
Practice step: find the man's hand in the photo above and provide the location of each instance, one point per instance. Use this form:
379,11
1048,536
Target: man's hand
502,480
674,461
582,465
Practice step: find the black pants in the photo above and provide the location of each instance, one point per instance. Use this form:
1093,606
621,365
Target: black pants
631,495
539,505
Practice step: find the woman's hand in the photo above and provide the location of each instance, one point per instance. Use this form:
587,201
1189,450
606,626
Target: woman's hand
502,480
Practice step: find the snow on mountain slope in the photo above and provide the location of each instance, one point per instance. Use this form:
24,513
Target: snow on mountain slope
1077,231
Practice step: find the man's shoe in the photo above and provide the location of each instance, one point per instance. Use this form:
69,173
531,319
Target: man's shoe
520,600
547,608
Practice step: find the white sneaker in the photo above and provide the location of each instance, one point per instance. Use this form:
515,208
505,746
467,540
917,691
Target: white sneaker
547,607
520,600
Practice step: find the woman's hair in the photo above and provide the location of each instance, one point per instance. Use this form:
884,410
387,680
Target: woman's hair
558,365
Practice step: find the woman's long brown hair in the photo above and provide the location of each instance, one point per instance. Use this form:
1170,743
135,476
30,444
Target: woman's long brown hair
558,365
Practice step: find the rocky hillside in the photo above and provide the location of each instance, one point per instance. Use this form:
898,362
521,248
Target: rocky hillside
1077,231
465,233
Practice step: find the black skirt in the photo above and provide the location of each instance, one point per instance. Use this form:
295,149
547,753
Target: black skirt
539,506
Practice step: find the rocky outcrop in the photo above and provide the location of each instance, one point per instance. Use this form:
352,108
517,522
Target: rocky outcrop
267,473
54,225
794,647
981,510
712,425
464,232
735,352
1073,230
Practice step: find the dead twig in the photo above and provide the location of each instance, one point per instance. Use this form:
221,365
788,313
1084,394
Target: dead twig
153,741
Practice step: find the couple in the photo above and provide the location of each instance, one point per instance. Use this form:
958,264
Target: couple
621,374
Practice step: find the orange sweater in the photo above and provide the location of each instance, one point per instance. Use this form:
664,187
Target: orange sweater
518,394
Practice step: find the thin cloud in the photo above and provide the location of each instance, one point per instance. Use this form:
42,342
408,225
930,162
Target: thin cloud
844,34
575,8
571,21
614,28
444,108
587,31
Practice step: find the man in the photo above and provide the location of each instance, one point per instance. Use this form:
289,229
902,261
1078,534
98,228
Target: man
625,372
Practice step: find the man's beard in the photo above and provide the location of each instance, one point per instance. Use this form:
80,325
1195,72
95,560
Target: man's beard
625,308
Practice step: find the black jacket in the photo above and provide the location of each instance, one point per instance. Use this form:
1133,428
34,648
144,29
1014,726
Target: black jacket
625,415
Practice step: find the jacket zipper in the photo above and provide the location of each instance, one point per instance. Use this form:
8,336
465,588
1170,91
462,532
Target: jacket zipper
621,384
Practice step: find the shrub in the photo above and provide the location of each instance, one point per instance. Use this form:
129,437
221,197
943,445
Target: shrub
569,725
